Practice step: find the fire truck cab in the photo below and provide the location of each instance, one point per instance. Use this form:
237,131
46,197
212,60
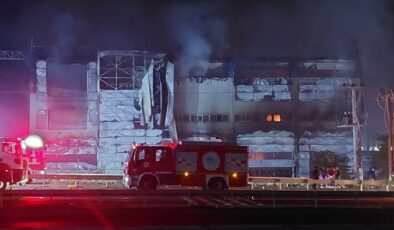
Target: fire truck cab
215,166
14,163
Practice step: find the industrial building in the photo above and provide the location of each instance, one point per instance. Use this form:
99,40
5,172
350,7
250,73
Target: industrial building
285,110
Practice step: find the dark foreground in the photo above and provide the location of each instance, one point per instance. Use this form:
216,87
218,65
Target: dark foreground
97,209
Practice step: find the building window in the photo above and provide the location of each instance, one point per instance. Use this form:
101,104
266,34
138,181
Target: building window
237,117
243,118
68,116
219,118
186,118
41,119
277,118
93,117
193,118
205,118
213,118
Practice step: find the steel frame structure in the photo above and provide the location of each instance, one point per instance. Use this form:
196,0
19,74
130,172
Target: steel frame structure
124,69
11,55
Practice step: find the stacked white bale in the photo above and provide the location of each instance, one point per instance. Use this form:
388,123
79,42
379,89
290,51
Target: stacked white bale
269,142
323,89
72,146
41,76
340,143
261,89
281,92
245,92
117,130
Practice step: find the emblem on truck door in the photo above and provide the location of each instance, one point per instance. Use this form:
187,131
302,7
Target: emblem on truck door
211,161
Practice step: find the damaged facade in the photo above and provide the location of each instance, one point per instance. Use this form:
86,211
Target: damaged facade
63,109
90,114
286,111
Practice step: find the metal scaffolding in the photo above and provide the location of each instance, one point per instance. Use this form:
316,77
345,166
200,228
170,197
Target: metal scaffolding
11,55
124,69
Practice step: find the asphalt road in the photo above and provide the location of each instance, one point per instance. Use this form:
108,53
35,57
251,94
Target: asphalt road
123,209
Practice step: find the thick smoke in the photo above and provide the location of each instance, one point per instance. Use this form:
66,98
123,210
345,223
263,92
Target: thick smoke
198,29
323,29
63,29
207,29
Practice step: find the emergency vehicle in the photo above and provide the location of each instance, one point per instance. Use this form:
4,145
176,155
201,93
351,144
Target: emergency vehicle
215,166
14,163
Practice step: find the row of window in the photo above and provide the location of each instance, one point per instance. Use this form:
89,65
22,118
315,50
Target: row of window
209,118
203,118
270,156
270,118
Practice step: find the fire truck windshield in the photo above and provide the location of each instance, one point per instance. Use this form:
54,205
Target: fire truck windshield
138,155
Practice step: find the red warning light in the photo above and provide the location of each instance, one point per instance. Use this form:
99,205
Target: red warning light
33,142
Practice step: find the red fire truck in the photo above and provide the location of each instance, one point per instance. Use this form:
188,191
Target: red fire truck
215,166
14,163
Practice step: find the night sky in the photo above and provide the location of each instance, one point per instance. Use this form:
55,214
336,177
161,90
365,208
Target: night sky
213,29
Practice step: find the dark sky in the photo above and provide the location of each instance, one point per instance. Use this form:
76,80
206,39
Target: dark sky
206,29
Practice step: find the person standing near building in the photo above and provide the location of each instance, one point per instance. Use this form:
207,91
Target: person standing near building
331,172
337,173
315,176
323,173
372,174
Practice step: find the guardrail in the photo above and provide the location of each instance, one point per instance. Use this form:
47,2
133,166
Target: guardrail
255,182
308,183
76,177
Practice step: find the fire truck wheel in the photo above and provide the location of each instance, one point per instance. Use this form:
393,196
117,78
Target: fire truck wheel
148,183
217,183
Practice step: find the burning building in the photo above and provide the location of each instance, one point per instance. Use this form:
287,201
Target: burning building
288,111
91,113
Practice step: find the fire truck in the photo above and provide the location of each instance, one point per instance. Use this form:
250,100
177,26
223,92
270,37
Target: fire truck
14,163
214,166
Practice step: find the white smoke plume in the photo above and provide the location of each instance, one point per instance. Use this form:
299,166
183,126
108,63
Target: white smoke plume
199,30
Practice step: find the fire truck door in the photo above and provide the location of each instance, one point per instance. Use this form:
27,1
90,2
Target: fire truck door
162,164
163,160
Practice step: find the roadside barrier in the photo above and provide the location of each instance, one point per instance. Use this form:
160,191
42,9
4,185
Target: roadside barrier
77,177
256,183
281,182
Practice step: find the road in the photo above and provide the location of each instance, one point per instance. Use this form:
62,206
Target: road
117,209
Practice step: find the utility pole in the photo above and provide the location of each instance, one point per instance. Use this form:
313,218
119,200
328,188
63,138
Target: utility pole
389,102
356,92
385,101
